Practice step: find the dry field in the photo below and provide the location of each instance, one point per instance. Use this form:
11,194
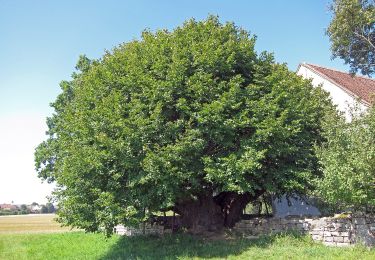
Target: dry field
33,223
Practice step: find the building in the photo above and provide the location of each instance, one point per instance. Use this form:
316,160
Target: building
345,89
9,207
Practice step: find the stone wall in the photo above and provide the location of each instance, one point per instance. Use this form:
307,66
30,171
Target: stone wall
339,231
147,229
262,226
330,231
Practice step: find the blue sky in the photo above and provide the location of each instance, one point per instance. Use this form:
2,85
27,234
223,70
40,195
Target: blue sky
40,42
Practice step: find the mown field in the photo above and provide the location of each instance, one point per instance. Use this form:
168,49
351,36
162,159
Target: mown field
33,223
79,245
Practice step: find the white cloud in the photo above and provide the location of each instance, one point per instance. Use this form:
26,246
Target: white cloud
19,135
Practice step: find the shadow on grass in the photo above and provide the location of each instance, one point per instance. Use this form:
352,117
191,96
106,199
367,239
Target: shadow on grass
185,246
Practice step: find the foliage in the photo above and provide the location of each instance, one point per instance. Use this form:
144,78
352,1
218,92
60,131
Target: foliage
50,208
178,117
352,34
44,209
10,212
348,161
79,245
14,211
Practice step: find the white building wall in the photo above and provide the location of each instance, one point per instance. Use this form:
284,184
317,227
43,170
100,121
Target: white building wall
340,97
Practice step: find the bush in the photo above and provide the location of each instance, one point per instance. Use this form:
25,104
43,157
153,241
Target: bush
348,162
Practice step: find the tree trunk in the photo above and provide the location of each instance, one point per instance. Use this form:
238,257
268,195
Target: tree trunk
208,213
232,207
200,215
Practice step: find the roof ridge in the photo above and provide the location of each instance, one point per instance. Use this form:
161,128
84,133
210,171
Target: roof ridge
333,81
356,88
323,67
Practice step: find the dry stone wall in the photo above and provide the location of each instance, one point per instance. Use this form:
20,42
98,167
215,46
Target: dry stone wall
147,229
330,231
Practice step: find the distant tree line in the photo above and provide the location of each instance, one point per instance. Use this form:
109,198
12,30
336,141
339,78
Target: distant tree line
34,208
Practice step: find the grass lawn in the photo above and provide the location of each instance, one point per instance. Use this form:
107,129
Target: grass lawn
40,237
78,245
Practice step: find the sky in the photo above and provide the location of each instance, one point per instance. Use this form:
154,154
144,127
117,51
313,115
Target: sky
40,42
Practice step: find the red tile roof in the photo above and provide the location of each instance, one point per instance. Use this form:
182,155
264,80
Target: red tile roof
8,206
357,86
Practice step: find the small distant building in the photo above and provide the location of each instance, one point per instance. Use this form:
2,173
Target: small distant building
9,207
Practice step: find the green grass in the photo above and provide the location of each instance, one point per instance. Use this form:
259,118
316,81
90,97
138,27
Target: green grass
78,245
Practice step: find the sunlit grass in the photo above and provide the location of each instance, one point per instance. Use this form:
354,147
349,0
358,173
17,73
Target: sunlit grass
79,245
40,237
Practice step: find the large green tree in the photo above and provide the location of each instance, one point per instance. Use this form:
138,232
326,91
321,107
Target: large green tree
348,161
192,120
352,34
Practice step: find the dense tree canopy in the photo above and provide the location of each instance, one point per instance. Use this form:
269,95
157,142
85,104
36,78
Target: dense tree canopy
192,120
348,161
352,34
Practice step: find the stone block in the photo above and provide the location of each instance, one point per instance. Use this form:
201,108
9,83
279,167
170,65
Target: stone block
332,229
327,234
328,239
317,228
344,234
338,239
338,225
329,226
342,229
